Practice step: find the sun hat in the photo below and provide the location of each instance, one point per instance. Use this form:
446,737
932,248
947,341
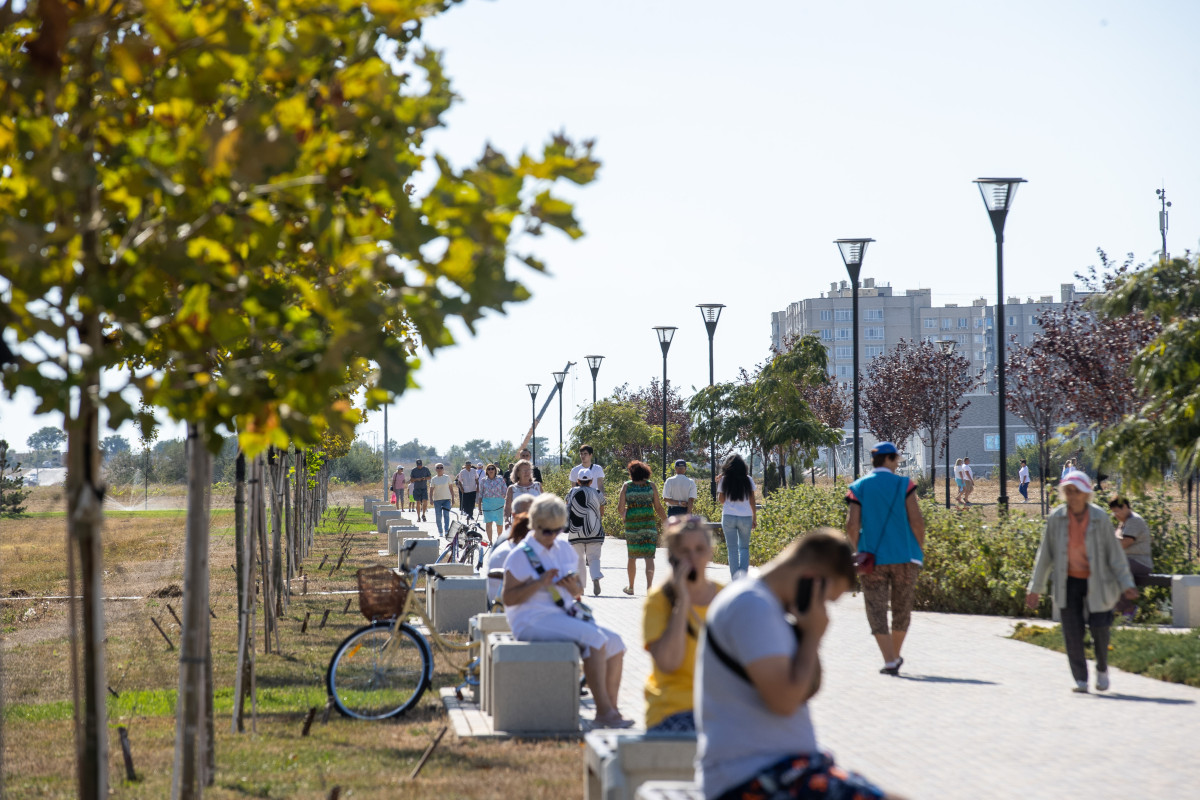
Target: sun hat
884,449
1078,479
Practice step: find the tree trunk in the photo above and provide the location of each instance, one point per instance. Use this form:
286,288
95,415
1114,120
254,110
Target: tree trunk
189,779
85,517
1042,467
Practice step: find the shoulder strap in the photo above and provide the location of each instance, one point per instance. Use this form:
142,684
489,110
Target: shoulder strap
730,663
536,563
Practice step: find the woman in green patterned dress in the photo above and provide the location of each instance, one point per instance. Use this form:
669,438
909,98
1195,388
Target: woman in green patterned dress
639,506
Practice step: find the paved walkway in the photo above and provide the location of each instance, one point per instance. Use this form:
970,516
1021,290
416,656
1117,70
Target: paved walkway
974,715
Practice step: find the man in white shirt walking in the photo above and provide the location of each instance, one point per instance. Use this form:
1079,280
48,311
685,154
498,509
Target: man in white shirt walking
1023,477
586,462
468,485
679,491
968,481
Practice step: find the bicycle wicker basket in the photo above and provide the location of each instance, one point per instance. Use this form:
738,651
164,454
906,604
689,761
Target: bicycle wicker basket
381,592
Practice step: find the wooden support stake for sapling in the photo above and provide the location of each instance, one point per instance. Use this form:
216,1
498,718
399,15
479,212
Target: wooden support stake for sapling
170,644
113,691
212,613
324,619
428,753
346,610
176,616
304,627
334,793
308,721
324,558
325,713
126,753
304,584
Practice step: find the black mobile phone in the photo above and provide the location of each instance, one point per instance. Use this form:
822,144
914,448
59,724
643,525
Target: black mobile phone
804,592
674,562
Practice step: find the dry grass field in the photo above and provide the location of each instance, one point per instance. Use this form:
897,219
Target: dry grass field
142,554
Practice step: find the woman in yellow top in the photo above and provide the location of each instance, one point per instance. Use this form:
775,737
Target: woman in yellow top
671,622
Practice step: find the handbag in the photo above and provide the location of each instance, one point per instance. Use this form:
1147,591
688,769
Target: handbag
864,560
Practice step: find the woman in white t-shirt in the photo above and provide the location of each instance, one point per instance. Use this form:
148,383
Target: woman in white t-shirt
523,483
540,586
503,545
958,480
739,512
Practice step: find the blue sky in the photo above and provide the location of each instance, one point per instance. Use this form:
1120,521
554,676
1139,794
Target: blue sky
737,144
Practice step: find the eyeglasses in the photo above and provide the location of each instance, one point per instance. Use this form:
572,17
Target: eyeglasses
554,532
688,522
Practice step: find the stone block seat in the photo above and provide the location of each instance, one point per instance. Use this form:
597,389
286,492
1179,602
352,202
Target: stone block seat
1185,601
398,533
552,667
617,763
669,790
454,600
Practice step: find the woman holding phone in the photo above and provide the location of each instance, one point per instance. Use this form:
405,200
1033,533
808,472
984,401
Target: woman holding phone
671,623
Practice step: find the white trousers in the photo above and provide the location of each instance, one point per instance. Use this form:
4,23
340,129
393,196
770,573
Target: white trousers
559,627
589,554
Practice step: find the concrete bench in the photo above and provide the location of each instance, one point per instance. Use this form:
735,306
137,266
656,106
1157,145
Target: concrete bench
534,685
669,790
453,601
483,626
446,571
397,534
424,551
369,503
617,763
386,518
1185,601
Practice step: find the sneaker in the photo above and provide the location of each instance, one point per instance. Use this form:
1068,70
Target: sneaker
1080,687
1101,681
892,668
596,587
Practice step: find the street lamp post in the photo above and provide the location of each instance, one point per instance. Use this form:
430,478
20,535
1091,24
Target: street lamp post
947,351
711,313
594,366
559,378
533,390
853,251
997,196
665,334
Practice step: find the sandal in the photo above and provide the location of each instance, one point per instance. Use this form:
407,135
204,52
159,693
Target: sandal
627,590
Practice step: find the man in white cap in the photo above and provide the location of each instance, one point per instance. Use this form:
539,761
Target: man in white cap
1085,566
679,491
585,528
468,486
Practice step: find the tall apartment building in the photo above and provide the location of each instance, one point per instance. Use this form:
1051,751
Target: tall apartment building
885,318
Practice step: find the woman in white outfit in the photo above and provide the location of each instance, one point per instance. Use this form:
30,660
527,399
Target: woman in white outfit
523,483
540,591
501,549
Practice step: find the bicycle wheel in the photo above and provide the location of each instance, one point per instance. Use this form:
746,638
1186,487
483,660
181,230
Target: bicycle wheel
469,553
379,671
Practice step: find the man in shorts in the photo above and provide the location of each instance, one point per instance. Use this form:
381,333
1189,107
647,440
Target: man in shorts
968,481
419,478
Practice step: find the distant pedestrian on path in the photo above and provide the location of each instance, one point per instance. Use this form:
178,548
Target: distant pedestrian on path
1023,477
885,521
1085,566
585,526
420,477
968,481
399,487
739,512
639,506
587,462
758,667
958,480
539,594
672,621
1134,535
491,501
1068,465
441,489
679,492
509,539
522,483
468,488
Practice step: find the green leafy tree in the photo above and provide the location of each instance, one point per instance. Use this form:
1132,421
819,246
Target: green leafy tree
221,196
12,485
45,440
616,430
1166,372
111,445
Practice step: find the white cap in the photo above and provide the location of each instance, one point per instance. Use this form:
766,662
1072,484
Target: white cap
584,474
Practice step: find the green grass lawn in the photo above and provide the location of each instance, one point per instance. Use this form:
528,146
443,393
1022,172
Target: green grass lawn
1172,657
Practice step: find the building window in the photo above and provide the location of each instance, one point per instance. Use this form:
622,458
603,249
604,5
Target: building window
844,371
1033,319
979,338
873,352
841,315
962,322
979,323
1012,322
979,355
989,323
874,315
930,322
826,315
843,352
961,338
991,442
873,333
1026,440
843,333
826,334
946,324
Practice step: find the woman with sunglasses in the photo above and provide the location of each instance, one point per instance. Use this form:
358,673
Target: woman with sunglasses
539,596
523,482
491,500
671,623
